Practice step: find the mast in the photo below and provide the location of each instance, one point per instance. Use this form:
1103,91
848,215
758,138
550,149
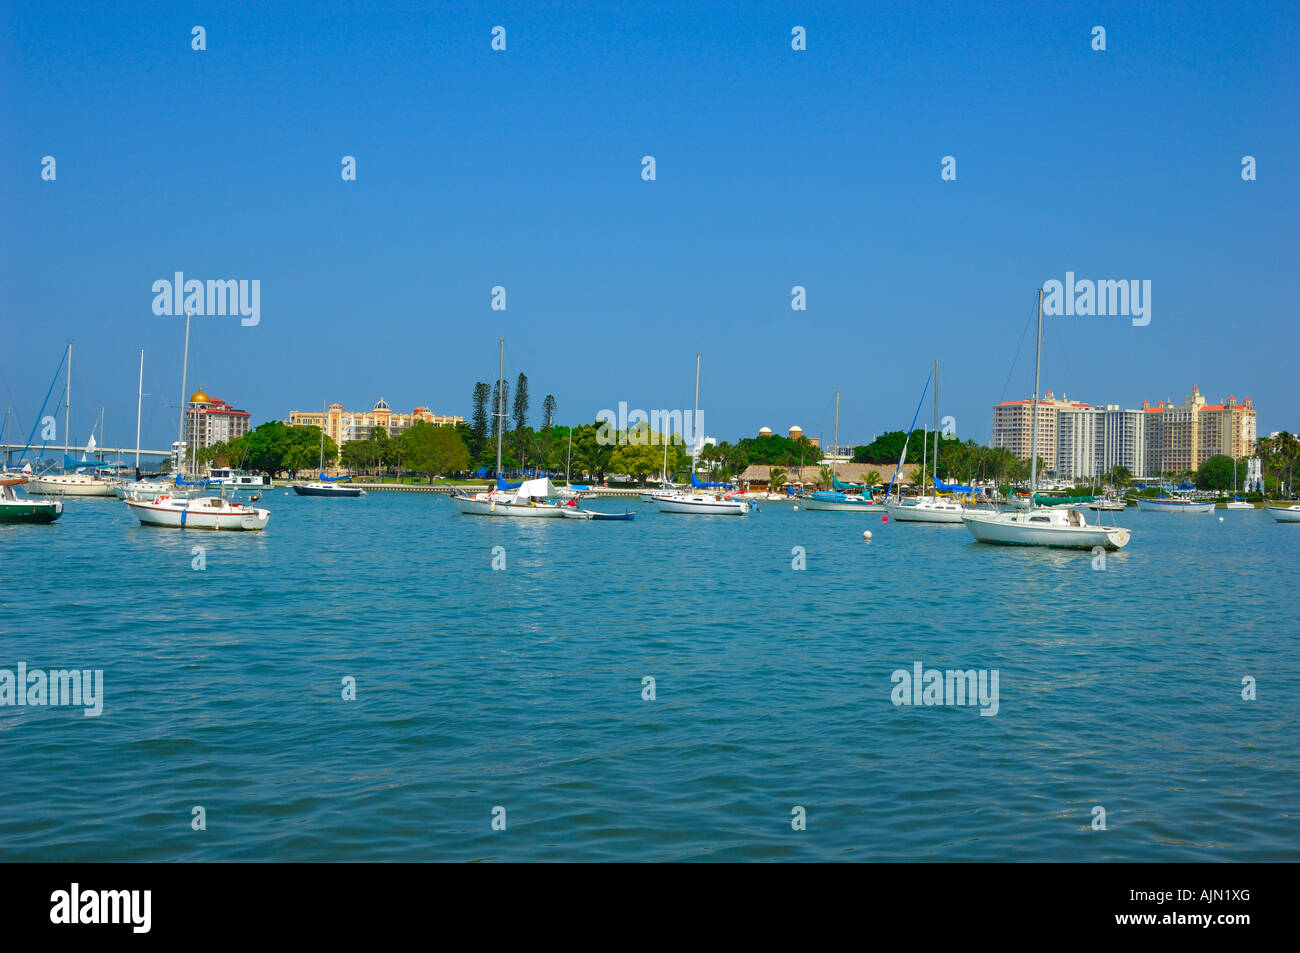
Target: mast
185,364
934,463
835,451
139,401
925,444
1033,426
67,404
322,438
501,402
696,437
568,463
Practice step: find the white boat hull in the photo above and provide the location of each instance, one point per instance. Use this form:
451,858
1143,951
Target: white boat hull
1237,505
69,485
147,492
1175,506
926,511
1285,514
700,504
475,507
1008,529
203,513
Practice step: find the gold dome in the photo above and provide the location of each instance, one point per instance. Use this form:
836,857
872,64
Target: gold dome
198,397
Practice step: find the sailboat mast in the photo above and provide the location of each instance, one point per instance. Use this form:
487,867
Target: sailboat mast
501,402
835,452
695,422
185,365
1033,426
139,401
568,464
67,404
323,406
934,463
925,445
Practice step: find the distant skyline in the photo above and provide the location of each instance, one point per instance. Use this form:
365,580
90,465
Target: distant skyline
775,168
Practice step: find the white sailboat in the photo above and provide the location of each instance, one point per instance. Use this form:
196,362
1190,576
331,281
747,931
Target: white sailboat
1055,526
72,482
929,508
1175,505
1285,514
1237,503
532,499
323,486
146,489
699,498
838,501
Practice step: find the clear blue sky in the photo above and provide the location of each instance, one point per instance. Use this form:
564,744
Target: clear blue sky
775,168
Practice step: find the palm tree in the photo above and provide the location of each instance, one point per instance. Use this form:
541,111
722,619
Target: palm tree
776,477
872,478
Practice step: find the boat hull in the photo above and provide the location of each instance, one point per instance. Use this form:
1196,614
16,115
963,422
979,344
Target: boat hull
701,505
68,486
473,507
990,529
1172,506
339,491
835,506
925,513
1285,514
30,511
199,514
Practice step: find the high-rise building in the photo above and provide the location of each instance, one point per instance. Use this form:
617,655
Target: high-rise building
1121,440
1182,437
209,421
1013,426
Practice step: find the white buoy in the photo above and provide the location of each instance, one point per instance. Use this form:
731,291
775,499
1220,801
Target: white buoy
796,507
866,534
1220,519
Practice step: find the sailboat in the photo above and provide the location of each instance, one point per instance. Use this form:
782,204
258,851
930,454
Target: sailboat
928,508
203,512
841,498
146,489
325,486
1237,503
698,498
72,481
531,499
1051,526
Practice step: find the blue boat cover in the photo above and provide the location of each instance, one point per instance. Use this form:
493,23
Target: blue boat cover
695,482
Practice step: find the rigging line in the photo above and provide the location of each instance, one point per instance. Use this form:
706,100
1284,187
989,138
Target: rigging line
1015,360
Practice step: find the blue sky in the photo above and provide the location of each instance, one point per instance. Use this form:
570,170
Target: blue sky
775,168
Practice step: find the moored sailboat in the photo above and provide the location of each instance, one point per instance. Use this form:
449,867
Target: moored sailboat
842,497
1061,527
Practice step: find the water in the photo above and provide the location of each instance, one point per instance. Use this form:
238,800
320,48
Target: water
523,689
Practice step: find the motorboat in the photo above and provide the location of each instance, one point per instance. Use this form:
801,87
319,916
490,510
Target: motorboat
21,509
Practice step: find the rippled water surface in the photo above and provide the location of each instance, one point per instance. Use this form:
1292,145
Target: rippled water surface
522,689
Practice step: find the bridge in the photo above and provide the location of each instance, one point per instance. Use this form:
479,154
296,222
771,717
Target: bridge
12,451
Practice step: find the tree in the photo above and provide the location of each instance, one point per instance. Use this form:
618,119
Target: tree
1215,474
776,476
431,450
637,460
500,397
872,478
548,412
479,418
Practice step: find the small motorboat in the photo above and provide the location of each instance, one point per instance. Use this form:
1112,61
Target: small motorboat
23,509
327,489
1285,514
205,512
574,513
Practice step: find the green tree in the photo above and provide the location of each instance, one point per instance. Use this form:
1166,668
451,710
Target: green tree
1215,474
479,416
432,450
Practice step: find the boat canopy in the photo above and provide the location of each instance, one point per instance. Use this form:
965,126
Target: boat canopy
838,484
503,485
829,496
695,482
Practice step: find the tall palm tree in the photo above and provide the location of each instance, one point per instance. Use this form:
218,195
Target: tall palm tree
776,477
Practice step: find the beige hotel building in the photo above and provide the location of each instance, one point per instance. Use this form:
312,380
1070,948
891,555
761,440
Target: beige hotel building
343,425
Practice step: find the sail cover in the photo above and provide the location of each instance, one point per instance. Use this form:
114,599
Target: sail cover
538,489
951,487
695,482
838,484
